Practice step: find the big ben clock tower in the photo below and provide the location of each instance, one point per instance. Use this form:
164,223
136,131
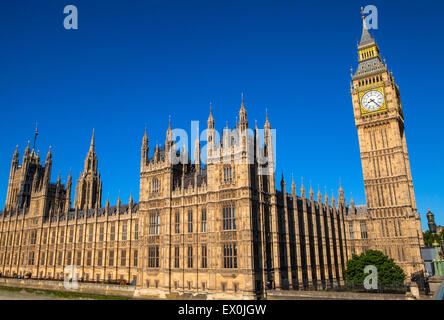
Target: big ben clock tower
393,223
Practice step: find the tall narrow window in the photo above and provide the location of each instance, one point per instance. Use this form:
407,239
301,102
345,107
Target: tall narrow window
156,185
80,234
123,258
364,234
124,231
190,257
79,258
190,221
111,258
136,231
177,222
229,217
71,235
153,257
112,235
154,223
176,257
99,258
90,233
230,256
101,232
350,230
228,174
203,227
204,256
62,236
88,258
135,258
45,237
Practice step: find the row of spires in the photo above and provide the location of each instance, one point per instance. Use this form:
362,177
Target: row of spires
319,195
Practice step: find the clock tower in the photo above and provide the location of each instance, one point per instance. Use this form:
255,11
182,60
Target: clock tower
393,223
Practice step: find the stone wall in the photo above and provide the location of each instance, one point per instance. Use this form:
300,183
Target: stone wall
91,288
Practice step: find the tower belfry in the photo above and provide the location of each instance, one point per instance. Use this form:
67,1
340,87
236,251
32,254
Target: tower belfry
395,223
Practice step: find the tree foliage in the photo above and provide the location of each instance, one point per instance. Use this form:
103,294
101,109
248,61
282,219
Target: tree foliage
430,238
389,273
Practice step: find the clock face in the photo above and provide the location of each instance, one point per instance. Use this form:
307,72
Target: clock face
372,100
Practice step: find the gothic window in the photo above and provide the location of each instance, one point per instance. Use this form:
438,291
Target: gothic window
99,258
123,258
42,258
111,258
203,227
112,235
350,230
51,258
59,259
135,258
190,221
399,227
88,258
156,185
230,256
33,236
154,223
136,231
364,234
176,257
71,235
153,257
124,231
101,232
31,258
62,236
45,237
79,258
190,257
229,217
177,222
90,234
69,258
80,234
228,174
204,256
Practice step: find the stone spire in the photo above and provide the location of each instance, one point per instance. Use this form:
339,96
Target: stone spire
267,124
302,188
311,192
366,38
243,122
92,145
145,149
210,121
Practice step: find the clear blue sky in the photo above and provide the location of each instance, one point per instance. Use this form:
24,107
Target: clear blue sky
135,62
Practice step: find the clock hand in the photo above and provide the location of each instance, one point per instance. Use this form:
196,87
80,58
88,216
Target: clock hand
375,102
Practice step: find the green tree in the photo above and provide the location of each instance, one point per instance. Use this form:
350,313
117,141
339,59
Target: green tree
430,238
389,273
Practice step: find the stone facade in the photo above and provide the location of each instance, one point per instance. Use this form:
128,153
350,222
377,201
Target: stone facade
219,228
390,221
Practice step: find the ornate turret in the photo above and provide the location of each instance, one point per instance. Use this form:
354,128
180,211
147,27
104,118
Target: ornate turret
145,149
431,221
243,122
89,185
